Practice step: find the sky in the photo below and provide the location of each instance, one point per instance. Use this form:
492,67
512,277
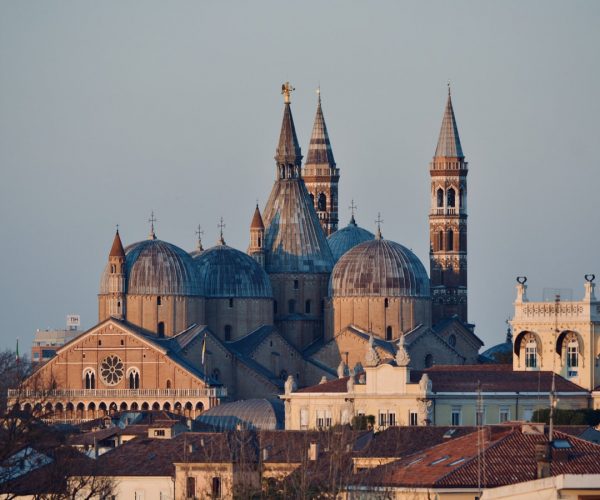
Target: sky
109,110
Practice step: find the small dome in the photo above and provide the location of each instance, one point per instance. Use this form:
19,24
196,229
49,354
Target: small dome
227,272
346,238
258,414
379,268
155,267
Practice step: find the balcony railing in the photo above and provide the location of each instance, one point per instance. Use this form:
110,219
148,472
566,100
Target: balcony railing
214,392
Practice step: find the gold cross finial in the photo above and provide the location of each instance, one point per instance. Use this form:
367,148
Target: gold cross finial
152,220
286,90
117,228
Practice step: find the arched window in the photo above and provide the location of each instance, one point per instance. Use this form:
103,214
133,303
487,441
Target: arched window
441,240
89,378
386,303
572,355
216,374
388,333
450,241
230,303
228,332
161,329
134,378
291,306
259,242
113,268
312,198
296,284
168,384
440,198
450,197
322,202
307,307
159,300
428,361
461,200
531,354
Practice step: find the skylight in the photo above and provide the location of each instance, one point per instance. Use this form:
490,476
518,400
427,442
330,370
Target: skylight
456,462
561,444
415,461
439,460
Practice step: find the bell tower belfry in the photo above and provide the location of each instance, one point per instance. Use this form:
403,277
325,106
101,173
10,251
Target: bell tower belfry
321,174
448,222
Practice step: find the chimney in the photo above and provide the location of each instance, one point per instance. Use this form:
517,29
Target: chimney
543,459
313,451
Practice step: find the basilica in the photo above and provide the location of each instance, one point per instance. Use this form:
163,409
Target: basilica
184,331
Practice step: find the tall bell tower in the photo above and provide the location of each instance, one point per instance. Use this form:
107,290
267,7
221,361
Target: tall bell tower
448,222
321,175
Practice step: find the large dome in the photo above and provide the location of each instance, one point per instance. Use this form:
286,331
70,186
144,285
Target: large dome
227,272
348,237
155,267
379,268
258,414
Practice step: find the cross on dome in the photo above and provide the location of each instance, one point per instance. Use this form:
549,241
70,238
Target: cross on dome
221,225
152,220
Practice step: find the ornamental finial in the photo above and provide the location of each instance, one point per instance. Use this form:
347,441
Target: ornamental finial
152,220
286,90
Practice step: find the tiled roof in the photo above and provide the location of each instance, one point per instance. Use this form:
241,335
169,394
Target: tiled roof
509,457
337,385
449,142
493,378
402,441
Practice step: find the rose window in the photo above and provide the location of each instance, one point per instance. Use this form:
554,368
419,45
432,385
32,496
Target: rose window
111,370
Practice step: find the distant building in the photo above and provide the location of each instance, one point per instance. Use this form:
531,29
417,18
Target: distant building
47,342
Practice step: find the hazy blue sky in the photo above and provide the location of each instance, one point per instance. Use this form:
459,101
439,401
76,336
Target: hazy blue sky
111,109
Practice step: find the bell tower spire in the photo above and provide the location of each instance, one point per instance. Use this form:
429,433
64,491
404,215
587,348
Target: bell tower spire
113,305
257,238
448,222
288,155
321,174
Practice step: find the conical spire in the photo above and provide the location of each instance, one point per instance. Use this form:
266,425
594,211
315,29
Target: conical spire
319,149
288,150
117,247
449,142
257,222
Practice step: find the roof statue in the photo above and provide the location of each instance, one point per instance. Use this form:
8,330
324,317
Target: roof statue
425,383
290,384
286,91
402,357
350,384
323,379
341,369
371,358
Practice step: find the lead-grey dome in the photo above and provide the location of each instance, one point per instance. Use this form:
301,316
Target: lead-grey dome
259,414
379,268
348,237
155,267
226,272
